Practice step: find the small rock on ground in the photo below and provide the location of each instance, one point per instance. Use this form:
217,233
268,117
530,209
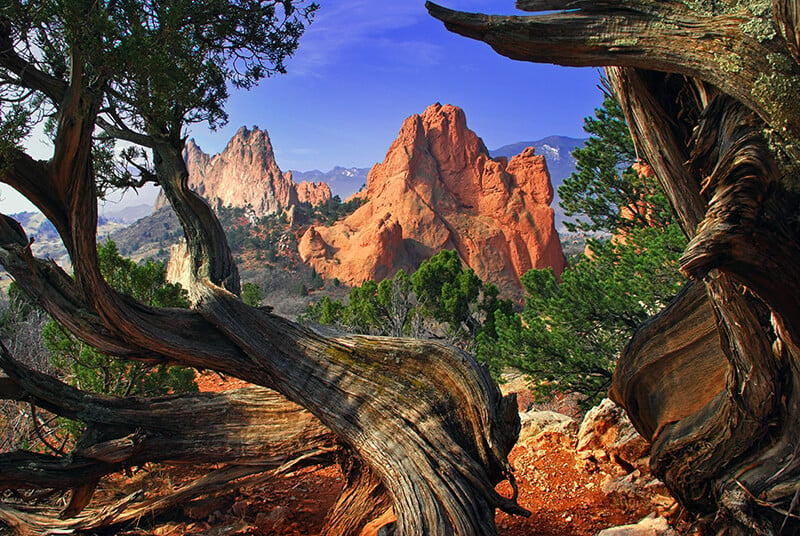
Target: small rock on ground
649,526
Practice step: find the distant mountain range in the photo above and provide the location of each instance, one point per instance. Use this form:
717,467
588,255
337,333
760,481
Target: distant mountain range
343,181
127,214
47,243
557,151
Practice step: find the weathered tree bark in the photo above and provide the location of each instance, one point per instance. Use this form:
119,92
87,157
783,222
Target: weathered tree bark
678,347
710,93
722,458
254,426
363,500
37,520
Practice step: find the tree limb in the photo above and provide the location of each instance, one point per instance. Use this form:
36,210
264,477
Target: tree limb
208,246
252,426
32,179
678,347
719,47
28,75
134,507
125,134
703,450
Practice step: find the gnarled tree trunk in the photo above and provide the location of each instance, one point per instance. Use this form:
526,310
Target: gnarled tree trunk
255,430
710,91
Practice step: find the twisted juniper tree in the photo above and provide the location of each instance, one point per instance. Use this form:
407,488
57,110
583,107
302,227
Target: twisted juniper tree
711,91
426,428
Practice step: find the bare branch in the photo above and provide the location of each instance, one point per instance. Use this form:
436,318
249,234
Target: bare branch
36,423
658,36
28,75
120,133
253,425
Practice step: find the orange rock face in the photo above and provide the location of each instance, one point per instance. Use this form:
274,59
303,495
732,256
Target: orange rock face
314,193
245,174
438,189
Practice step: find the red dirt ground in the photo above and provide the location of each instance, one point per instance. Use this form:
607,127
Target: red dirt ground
563,498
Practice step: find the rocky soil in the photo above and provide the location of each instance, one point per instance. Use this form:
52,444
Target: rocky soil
575,479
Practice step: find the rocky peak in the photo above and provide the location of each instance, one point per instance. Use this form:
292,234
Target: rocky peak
438,188
195,158
245,174
313,193
251,147
529,171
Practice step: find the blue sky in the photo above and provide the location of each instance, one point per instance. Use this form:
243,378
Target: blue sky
363,66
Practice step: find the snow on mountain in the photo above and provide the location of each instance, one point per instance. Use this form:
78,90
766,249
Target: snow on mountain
343,181
557,151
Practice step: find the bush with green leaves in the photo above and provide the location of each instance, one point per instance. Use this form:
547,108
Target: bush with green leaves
251,294
446,290
88,369
384,308
441,300
570,333
332,210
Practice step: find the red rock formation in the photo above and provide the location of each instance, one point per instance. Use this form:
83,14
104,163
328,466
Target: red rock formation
438,189
314,193
245,174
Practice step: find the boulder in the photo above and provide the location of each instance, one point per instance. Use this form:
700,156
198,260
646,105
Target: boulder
313,193
536,424
179,266
607,441
649,526
607,433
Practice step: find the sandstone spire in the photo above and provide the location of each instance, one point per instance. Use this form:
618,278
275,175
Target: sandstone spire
245,174
438,189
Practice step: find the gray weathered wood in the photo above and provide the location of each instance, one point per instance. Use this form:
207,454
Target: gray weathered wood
253,426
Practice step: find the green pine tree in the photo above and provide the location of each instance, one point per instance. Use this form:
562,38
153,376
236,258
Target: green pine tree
88,369
606,193
570,333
